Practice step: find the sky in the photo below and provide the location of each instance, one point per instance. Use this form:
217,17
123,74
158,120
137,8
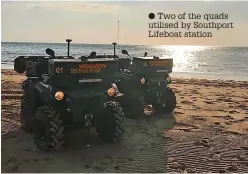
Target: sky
97,22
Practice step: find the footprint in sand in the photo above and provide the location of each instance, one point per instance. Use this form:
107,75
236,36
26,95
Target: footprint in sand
193,98
218,116
199,118
220,99
232,168
204,142
196,107
233,111
209,102
186,102
228,100
229,123
194,91
228,117
217,123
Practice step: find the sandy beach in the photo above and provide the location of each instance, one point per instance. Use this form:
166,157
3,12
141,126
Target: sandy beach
208,132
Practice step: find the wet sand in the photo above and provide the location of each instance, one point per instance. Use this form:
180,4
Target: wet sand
208,132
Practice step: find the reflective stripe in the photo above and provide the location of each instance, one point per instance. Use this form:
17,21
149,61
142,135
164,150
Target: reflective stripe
162,71
89,80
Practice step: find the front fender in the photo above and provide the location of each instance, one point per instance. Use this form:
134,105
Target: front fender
43,91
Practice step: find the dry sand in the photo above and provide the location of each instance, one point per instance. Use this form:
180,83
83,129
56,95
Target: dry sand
206,133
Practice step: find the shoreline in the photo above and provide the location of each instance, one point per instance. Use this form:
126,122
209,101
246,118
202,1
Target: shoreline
190,75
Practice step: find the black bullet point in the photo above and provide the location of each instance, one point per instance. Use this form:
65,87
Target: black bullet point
151,16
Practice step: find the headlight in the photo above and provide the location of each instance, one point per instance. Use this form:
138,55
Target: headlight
59,95
168,79
142,81
111,91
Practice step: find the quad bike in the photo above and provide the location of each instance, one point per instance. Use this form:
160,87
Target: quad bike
61,94
145,82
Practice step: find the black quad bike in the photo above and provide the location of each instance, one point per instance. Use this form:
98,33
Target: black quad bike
67,93
145,82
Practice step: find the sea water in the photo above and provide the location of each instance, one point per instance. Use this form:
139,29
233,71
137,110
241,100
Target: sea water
226,63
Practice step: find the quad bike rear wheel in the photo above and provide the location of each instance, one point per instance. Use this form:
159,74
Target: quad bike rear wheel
167,102
49,129
110,124
26,114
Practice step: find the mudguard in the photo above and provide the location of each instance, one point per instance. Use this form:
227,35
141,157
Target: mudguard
44,92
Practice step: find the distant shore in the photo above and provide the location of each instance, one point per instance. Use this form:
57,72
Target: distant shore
75,43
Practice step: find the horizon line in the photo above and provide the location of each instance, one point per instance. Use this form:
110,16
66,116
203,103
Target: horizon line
117,44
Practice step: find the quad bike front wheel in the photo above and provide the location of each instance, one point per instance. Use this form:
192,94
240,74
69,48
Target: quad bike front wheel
110,124
167,102
26,115
48,129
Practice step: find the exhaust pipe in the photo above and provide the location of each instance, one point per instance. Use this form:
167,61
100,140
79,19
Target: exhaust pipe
68,52
114,47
